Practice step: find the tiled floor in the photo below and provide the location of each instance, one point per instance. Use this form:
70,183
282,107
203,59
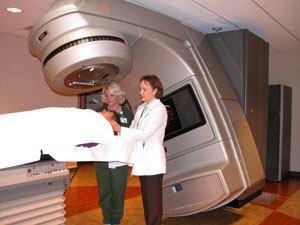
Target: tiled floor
82,205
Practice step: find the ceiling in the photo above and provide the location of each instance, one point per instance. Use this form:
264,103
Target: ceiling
276,21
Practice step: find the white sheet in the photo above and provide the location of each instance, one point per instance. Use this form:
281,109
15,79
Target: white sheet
56,131
123,150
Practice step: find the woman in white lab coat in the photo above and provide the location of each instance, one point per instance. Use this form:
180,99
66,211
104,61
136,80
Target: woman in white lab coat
148,128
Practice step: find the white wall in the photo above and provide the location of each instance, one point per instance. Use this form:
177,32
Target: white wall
22,84
285,69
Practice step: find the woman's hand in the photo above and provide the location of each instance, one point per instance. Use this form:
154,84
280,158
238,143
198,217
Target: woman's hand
115,126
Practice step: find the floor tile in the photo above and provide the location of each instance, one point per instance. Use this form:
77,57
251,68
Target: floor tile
285,188
133,215
82,205
251,214
291,206
85,198
277,218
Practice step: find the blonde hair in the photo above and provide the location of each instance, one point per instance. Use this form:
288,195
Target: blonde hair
114,89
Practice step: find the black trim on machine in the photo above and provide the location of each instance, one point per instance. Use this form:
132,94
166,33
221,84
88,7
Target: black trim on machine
82,41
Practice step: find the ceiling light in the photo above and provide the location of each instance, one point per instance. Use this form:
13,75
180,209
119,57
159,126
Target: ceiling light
14,10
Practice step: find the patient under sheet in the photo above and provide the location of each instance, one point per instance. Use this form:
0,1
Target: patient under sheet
57,132
123,150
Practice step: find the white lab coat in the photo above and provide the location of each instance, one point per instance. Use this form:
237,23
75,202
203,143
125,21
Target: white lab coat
149,131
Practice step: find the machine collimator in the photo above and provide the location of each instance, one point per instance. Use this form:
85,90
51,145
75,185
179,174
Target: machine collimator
212,158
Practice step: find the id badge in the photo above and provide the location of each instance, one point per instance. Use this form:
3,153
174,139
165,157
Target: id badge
123,120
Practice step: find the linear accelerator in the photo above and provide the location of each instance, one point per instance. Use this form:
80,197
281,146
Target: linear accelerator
212,158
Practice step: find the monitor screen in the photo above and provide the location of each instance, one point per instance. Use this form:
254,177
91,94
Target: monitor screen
184,112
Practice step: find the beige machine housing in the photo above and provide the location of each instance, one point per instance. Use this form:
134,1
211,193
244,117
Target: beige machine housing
209,165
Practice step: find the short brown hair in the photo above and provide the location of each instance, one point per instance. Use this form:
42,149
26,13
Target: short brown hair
155,82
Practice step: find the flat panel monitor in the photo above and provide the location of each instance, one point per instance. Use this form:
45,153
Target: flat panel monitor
184,112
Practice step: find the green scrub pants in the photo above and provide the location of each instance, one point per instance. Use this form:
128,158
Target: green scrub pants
111,189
